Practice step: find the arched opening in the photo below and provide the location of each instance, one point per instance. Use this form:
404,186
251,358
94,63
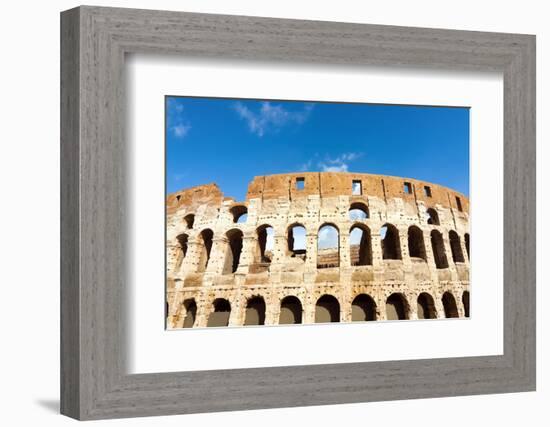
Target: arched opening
265,243
327,309
183,240
233,252
291,311
297,241
391,247
205,239
328,246
432,216
358,211
396,307
189,220
438,249
456,249
255,311
467,244
466,303
449,305
240,213
416,243
425,306
363,308
190,307
221,313
360,245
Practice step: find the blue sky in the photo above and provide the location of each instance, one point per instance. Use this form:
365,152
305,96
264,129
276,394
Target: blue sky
229,141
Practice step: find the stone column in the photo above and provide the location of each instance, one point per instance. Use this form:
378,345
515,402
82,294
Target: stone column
247,253
449,254
376,246
311,252
404,243
192,258
217,256
344,247
203,311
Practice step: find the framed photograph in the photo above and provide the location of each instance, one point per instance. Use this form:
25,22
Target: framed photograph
261,213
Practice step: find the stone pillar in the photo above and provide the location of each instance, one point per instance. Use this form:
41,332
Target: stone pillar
376,247
404,242
203,311
344,249
311,252
247,253
449,254
217,256
438,305
190,263
173,252
280,246
272,310
413,308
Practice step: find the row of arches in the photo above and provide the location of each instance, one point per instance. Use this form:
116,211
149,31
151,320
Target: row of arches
328,246
357,211
327,309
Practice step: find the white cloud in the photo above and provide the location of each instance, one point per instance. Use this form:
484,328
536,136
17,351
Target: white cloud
270,117
339,163
176,122
181,130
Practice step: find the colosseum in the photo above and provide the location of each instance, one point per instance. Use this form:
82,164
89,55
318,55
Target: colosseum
317,247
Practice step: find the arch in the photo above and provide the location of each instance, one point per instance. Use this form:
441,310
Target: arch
391,246
363,308
432,216
220,313
417,249
296,239
233,251
425,306
189,220
190,307
358,211
449,305
397,307
205,238
328,246
291,311
466,303
239,213
255,311
438,249
183,240
467,244
360,245
265,243
456,248
327,309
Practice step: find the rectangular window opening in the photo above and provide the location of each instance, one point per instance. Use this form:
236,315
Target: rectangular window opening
458,204
427,191
300,183
356,188
407,187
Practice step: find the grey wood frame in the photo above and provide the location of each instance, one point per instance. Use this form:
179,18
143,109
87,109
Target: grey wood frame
94,41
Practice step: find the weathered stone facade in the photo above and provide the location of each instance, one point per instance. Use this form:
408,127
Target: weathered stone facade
411,261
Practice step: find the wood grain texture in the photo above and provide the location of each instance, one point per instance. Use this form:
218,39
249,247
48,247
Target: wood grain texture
94,382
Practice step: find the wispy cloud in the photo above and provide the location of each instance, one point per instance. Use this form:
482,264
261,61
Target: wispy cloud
271,117
339,163
176,122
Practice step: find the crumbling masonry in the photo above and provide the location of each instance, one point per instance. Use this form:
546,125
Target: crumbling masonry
317,247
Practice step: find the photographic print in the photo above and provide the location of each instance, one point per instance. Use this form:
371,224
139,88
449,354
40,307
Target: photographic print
300,212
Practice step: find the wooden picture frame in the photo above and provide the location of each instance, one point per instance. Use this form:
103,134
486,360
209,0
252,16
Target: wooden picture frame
94,41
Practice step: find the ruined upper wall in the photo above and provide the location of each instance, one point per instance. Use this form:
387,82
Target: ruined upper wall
331,184
199,195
